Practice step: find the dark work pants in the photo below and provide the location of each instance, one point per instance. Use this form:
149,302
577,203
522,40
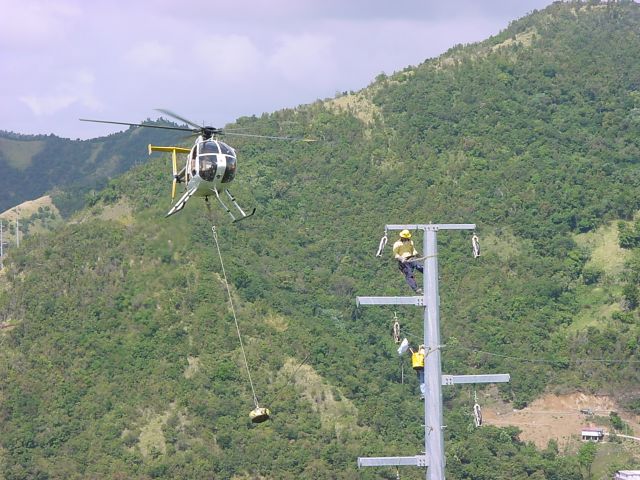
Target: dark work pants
408,268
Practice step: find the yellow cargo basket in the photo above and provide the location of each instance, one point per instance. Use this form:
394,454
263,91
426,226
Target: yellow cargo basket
259,414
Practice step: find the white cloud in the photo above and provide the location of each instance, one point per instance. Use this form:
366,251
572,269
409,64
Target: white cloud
224,57
27,23
48,104
76,88
150,54
304,58
213,61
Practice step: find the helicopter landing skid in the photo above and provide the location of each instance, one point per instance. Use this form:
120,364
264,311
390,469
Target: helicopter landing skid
182,202
235,204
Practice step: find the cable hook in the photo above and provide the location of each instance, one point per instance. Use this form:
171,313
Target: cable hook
396,328
475,242
477,411
382,244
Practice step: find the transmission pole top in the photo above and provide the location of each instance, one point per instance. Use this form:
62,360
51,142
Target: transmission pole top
432,226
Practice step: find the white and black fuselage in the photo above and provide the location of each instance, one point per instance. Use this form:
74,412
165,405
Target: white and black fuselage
211,164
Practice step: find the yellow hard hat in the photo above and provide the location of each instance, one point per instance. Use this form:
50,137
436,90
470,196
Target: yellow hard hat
405,234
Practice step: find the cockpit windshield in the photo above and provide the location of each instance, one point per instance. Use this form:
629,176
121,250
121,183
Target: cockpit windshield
226,149
209,146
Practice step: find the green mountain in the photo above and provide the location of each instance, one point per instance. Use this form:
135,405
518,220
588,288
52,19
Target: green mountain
120,356
33,165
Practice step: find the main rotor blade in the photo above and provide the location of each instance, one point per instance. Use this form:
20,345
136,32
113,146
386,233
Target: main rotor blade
224,132
178,117
139,125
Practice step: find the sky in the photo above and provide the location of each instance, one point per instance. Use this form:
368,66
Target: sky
213,61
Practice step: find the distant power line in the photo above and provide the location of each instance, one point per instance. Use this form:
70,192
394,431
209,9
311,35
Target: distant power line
531,360
539,360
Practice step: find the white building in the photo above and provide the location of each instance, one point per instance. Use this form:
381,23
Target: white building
627,475
592,434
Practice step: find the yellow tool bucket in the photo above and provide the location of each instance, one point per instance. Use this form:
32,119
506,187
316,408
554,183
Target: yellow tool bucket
417,360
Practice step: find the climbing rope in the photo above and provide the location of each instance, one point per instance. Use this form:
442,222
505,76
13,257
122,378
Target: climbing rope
421,259
396,339
235,318
406,332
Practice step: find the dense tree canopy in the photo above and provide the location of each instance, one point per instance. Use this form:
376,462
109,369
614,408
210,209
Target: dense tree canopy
123,359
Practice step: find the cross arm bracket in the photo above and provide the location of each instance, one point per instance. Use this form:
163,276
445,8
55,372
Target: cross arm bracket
419,301
490,378
416,461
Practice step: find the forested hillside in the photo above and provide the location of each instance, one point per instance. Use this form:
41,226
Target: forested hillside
120,357
33,165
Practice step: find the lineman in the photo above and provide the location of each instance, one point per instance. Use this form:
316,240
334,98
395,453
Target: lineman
405,253
417,362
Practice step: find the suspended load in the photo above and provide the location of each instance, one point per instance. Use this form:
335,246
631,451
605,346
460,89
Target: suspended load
259,414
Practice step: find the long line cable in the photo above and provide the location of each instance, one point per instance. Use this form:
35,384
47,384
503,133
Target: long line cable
235,318
524,359
279,391
532,360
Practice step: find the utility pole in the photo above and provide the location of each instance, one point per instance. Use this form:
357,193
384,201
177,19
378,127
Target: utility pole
1,248
433,458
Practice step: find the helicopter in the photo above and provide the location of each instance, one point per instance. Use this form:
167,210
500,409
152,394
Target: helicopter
210,164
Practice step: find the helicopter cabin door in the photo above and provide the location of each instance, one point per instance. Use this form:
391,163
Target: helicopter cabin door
190,170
